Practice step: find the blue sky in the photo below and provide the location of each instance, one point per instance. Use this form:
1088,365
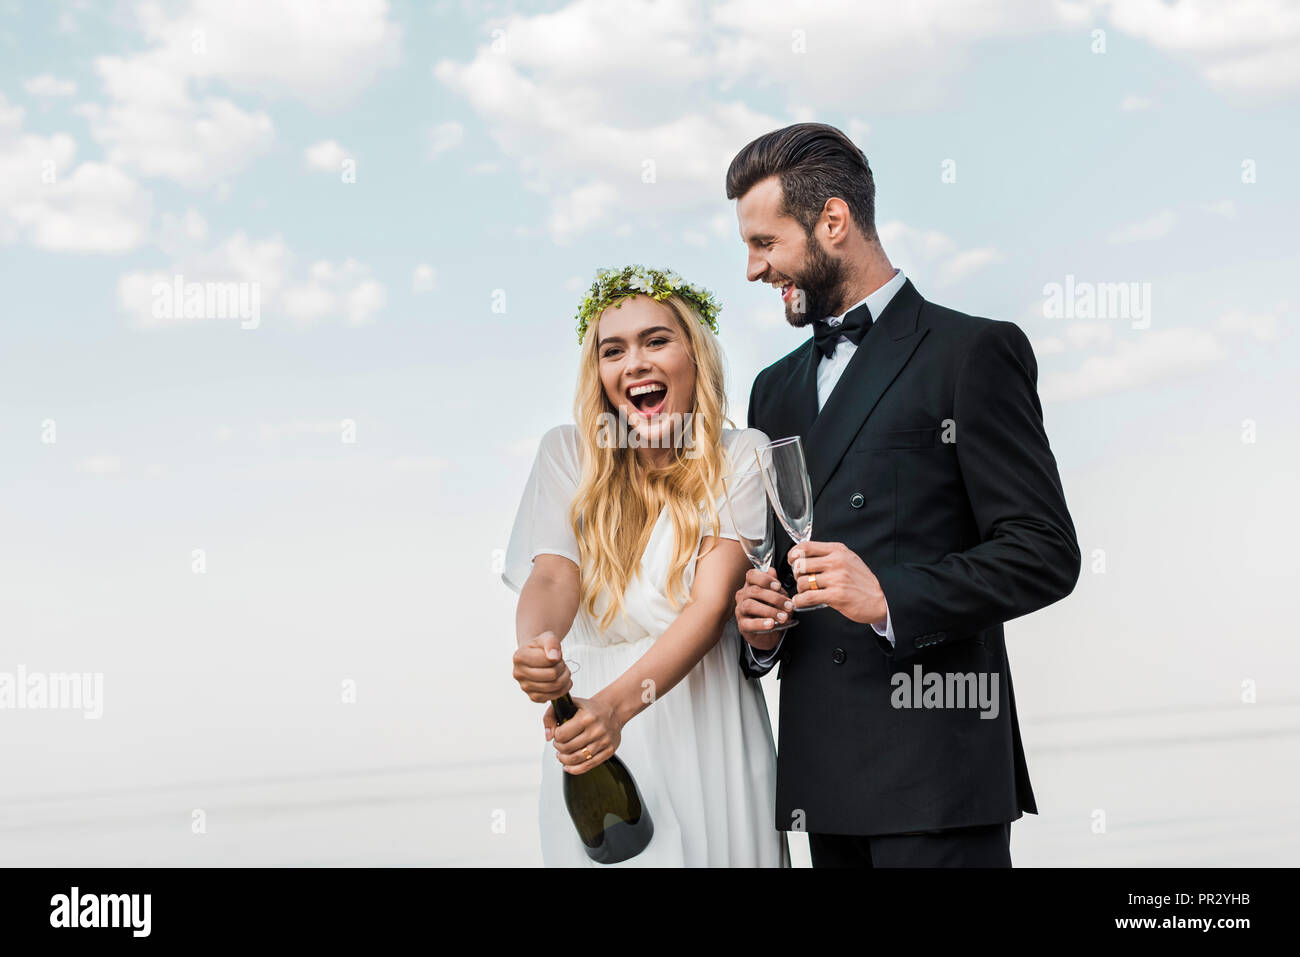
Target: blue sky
500,154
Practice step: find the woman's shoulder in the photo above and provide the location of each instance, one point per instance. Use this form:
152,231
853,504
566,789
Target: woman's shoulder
559,443
562,436
564,432
743,441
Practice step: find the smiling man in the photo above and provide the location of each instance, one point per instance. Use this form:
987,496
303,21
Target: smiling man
938,515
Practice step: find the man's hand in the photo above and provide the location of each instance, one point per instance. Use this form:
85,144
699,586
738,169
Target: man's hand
843,581
540,670
760,605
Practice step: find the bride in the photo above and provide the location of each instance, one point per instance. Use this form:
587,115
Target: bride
624,560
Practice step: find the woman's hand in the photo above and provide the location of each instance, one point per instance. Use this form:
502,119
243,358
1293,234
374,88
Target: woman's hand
540,669
588,738
760,605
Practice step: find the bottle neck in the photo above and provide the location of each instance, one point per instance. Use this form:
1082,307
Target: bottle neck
564,708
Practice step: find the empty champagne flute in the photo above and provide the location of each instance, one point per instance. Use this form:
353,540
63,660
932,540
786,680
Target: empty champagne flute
752,519
785,475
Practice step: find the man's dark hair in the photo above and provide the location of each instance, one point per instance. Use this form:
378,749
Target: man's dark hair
814,162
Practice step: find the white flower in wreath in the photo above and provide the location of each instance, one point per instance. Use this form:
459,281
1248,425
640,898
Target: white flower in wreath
642,284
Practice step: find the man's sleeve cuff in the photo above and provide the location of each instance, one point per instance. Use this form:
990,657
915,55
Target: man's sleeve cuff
888,632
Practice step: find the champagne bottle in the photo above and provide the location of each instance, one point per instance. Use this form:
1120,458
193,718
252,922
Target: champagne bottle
605,805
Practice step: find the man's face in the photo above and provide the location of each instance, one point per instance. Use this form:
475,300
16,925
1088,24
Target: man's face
810,280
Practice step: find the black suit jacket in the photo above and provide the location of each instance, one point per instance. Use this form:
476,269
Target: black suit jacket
930,461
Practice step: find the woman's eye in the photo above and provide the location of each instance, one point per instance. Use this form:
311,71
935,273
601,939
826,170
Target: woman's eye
658,339
609,353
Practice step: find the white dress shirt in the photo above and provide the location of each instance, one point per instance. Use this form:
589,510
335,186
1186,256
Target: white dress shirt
829,370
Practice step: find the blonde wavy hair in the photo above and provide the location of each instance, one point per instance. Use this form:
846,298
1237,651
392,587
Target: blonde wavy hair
618,501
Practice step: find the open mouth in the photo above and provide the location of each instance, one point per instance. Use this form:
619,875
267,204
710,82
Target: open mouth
786,290
648,397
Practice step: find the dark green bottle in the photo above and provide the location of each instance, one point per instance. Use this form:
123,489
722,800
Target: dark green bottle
605,805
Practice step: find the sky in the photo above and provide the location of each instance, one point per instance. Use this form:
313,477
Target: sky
277,534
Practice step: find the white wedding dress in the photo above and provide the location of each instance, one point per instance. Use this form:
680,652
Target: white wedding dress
702,754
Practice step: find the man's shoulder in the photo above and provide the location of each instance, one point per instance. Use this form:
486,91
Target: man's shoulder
785,364
960,330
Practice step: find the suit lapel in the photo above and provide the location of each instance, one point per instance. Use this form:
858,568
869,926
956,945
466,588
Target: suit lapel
885,349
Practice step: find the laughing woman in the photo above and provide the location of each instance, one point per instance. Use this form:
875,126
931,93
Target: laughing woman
626,566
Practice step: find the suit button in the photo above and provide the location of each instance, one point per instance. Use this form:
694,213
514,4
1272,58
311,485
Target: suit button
857,500
838,656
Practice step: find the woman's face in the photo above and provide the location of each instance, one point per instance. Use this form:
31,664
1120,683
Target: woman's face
646,368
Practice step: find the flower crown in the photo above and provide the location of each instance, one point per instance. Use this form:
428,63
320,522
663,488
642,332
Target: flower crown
612,286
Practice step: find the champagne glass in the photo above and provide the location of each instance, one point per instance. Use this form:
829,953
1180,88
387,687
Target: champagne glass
752,519
785,474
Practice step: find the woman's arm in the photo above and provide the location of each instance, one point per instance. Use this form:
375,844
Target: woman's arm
718,575
549,599
598,726
548,603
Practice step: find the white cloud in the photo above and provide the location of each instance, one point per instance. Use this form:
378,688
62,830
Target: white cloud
928,255
444,137
848,47
586,102
1155,227
48,85
322,52
177,234
1262,326
154,126
424,278
968,261
1249,47
96,209
161,121
1048,346
46,201
1082,335
326,156
1224,207
583,97
1140,361
325,290
1133,103
364,302
580,209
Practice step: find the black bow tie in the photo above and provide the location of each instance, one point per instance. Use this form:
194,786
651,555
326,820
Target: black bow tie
854,327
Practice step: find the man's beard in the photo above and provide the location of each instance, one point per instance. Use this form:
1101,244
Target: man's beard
821,285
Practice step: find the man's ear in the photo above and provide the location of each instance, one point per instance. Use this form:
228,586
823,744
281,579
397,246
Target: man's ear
837,220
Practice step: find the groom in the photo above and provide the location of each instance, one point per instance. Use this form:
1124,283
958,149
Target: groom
938,515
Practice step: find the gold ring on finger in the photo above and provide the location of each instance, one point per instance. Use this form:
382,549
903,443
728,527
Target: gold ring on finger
812,582
587,753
